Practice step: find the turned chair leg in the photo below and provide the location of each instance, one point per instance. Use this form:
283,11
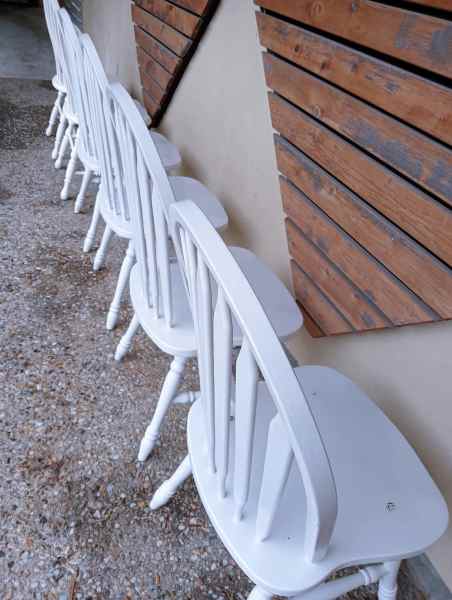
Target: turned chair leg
59,136
56,110
126,340
169,487
64,145
99,259
387,587
83,188
123,279
91,234
70,170
167,395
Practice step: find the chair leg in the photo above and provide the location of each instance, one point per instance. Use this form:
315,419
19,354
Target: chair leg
167,396
54,114
91,233
82,192
59,136
387,587
123,280
169,487
99,259
126,340
66,142
70,170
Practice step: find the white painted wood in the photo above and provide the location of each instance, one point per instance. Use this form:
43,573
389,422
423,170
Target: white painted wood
99,259
87,176
123,280
354,493
278,462
247,376
157,289
167,395
169,487
126,341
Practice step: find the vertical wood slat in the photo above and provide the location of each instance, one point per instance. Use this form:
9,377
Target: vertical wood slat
223,387
418,39
247,376
278,461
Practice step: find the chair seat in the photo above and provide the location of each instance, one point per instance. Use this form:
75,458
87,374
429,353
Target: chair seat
168,152
179,340
388,506
58,85
187,188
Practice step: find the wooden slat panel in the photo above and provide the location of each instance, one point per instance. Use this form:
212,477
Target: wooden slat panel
160,53
416,38
396,301
152,68
152,87
426,162
175,41
352,304
152,106
443,4
408,261
321,310
178,18
310,325
421,216
197,6
416,100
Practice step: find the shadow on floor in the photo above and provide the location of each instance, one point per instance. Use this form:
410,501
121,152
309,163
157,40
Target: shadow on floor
25,50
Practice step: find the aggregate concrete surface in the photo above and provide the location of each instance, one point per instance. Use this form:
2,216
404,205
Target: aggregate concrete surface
75,521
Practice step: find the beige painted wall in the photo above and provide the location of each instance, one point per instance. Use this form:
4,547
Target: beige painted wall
109,24
219,118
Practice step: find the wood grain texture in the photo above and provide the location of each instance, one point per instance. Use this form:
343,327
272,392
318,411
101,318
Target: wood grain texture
326,316
362,103
165,57
394,299
359,311
197,6
423,160
152,68
416,100
427,277
407,35
175,41
182,20
425,219
167,35
152,87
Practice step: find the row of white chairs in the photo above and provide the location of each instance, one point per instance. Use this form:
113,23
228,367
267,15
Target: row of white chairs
299,472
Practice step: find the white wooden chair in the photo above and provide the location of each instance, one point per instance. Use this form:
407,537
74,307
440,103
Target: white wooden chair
50,12
300,473
156,286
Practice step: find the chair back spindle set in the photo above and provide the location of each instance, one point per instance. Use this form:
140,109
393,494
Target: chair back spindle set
299,471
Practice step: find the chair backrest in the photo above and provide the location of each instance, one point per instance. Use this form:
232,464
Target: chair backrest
99,117
51,9
149,196
72,57
219,292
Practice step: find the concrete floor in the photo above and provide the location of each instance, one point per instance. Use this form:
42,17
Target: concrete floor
25,50
74,517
